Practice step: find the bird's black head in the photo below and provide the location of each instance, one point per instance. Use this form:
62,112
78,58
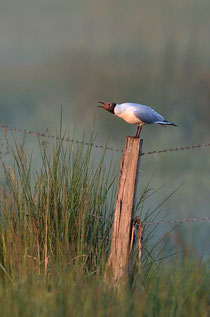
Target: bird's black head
109,106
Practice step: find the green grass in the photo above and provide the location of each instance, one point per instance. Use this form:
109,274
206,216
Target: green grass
55,226
180,290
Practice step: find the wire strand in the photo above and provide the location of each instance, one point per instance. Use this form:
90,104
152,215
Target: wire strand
149,223
200,146
187,220
63,139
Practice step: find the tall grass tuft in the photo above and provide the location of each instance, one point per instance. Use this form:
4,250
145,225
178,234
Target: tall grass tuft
54,216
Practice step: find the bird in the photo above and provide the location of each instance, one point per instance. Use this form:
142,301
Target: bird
135,113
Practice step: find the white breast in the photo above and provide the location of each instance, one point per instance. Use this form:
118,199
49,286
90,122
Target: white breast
126,112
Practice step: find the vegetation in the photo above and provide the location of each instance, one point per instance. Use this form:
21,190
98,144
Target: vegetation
55,225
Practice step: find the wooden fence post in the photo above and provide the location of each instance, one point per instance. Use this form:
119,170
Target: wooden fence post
118,261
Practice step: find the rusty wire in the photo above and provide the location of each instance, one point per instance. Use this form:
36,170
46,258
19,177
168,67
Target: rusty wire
136,221
149,223
103,147
65,139
187,220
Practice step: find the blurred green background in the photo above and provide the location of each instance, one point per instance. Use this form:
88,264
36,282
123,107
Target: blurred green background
74,53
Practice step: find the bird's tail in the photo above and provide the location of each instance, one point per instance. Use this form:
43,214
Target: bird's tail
165,122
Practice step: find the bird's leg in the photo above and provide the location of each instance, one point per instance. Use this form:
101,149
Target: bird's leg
137,131
140,128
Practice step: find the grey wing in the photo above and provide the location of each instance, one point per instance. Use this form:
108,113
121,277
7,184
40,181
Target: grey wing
148,115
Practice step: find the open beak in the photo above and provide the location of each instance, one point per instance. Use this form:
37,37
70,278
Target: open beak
103,103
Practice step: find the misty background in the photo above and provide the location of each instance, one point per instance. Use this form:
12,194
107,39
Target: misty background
74,53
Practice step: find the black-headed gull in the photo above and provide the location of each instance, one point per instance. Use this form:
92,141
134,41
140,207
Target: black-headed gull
135,113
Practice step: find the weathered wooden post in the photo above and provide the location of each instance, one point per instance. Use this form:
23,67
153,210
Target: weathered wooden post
117,266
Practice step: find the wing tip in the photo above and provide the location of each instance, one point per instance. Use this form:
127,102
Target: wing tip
165,122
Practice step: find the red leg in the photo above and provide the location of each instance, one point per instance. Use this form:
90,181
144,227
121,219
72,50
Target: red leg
140,128
137,132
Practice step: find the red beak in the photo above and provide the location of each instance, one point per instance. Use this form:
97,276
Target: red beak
103,103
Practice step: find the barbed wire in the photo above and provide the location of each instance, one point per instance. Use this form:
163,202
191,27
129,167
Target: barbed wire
103,147
176,149
63,139
187,220
149,223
